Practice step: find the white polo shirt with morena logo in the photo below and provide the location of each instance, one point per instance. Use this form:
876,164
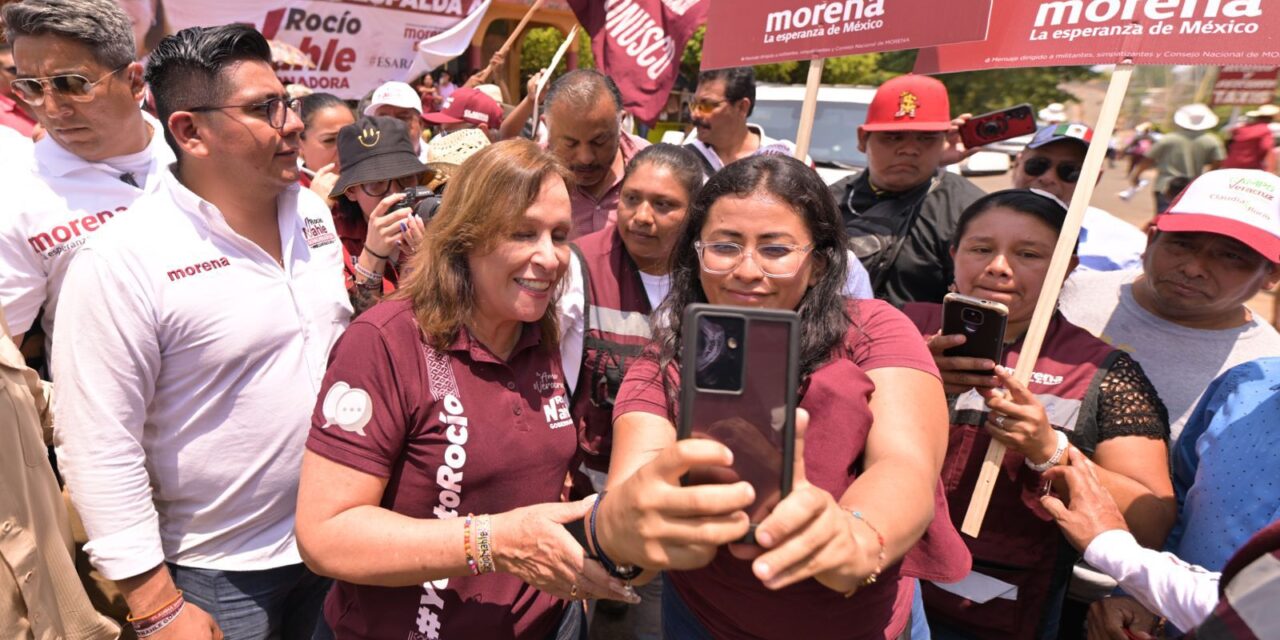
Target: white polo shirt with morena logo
188,364
56,204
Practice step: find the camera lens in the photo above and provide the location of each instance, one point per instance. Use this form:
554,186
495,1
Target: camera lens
990,129
971,316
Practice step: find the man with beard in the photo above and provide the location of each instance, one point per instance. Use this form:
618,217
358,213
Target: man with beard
1183,315
583,117
720,108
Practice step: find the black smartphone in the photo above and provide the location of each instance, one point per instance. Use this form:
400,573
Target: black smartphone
999,125
739,377
981,322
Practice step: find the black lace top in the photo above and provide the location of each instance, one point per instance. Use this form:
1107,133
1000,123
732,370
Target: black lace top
1124,403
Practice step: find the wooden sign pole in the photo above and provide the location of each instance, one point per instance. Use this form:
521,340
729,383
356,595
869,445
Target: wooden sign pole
1048,301
805,133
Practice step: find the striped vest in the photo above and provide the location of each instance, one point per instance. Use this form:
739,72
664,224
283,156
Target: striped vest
617,329
1020,544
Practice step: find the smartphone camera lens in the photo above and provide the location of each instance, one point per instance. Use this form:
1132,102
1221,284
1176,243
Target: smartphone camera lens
971,316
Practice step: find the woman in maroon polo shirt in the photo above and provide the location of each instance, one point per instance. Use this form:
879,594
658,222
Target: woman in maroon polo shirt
859,522
441,440
1083,392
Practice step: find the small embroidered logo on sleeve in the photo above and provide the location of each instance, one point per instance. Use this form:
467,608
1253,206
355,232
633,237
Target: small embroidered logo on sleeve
347,408
317,233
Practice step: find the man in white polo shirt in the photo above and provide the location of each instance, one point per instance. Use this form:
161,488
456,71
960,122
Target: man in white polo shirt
192,340
75,67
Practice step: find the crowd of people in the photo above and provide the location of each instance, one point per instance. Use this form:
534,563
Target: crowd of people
393,370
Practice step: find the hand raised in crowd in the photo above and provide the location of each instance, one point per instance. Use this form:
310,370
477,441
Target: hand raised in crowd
323,182
532,544
960,374
809,535
1018,420
532,84
1121,618
955,150
385,233
652,521
1090,509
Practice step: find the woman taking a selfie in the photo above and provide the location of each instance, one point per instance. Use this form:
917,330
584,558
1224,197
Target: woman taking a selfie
440,443
1083,393
764,233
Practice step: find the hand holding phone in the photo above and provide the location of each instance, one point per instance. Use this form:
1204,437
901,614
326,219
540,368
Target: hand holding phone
971,343
998,125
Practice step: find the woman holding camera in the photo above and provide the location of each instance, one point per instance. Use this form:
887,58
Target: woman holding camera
1083,393
836,554
378,234
433,474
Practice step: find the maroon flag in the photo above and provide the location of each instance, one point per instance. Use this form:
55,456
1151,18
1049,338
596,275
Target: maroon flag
638,43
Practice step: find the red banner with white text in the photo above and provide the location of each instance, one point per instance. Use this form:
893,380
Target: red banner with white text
638,43
1245,86
1039,33
751,32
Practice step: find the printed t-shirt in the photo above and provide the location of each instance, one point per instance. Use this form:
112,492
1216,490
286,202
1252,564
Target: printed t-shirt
187,359
61,201
590,214
475,435
725,596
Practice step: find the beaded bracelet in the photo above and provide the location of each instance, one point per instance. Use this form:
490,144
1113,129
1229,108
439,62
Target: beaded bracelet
871,579
484,545
466,546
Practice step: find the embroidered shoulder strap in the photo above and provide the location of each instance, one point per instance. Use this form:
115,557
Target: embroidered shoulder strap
440,378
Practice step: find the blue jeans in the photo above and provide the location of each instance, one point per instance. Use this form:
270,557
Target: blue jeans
273,604
679,623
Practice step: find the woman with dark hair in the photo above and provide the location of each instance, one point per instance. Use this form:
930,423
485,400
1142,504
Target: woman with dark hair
764,232
377,232
323,115
431,486
1083,393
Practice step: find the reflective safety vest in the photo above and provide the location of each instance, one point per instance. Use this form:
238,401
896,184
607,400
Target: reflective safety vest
617,329
1021,561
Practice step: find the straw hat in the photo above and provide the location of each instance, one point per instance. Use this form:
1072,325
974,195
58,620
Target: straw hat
446,152
1265,111
1055,113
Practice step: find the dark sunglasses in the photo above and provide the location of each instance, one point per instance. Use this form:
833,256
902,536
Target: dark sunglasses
1067,171
70,85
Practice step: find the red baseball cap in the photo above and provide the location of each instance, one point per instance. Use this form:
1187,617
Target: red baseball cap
468,105
909,103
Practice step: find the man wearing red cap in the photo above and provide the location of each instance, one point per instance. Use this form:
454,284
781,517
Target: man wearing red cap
468,108
902,211
1183,316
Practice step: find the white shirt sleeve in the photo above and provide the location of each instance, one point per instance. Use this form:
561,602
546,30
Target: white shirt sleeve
106,358
22,289
1182,592
572,307
857,284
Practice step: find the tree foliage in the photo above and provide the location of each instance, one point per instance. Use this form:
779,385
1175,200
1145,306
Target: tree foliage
540,45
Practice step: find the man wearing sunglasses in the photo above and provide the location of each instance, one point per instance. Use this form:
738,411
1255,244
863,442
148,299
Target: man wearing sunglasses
724,100
1051,163
194,336
75,69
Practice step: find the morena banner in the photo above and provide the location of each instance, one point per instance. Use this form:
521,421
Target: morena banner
1039,33
765,31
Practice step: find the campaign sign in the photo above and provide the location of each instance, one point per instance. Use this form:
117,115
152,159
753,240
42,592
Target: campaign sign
1039,33
638,43
1245,86
355,45
764,31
